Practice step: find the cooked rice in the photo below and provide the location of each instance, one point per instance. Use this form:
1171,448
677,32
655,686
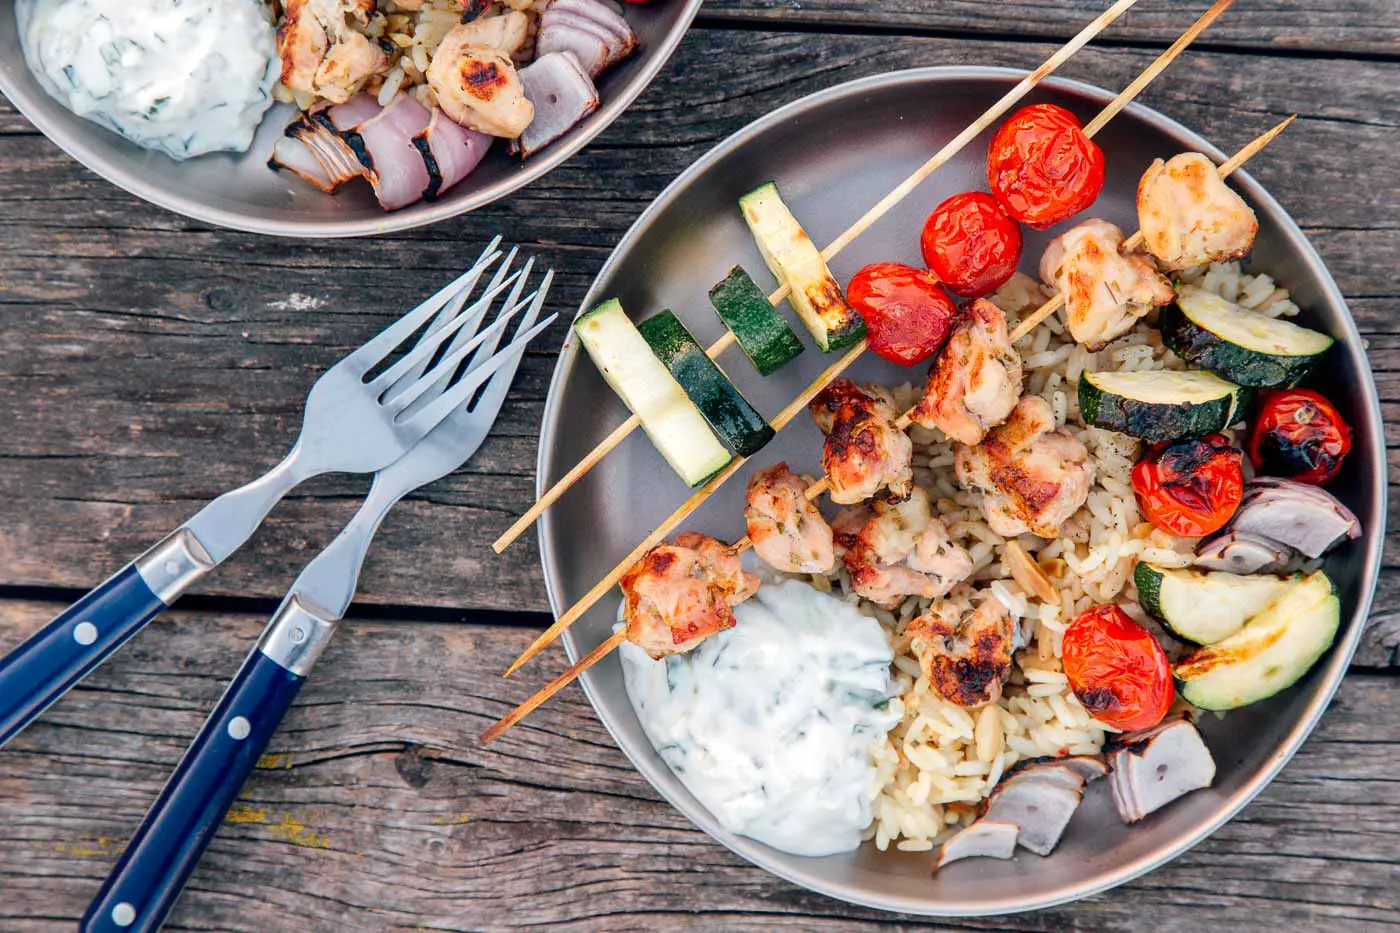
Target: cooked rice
940,760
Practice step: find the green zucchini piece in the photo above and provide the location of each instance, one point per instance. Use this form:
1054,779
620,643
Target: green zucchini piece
669,417
736,421
762,333
1161,406
796,262
1271,652
1246,347
1201,607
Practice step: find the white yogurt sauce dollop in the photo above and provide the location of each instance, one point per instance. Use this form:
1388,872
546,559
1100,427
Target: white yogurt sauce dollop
771,724
183,77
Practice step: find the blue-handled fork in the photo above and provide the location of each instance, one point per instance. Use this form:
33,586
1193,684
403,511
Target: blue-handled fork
167,846
357,420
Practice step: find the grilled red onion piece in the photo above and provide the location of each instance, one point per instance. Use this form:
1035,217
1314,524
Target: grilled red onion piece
292,155
557,34
450,151
562,95
393,164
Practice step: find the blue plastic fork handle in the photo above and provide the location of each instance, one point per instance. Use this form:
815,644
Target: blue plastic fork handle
167,846
66,650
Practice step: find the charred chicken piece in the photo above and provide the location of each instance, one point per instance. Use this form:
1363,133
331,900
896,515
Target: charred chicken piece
475,81
976,380
965,656
1033,477
679,594
321,51
1189,216
865,451
1105,292
787,531
893,549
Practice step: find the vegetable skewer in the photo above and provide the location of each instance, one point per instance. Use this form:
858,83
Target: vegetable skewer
816,488
704,491
952,148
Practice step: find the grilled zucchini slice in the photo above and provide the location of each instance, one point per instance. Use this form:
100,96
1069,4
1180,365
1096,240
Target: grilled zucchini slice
1161,406
1246,347
1271,652
763,335
1201,607
644,384
736,421
796,262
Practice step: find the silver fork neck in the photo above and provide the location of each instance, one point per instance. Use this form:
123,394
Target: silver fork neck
222,526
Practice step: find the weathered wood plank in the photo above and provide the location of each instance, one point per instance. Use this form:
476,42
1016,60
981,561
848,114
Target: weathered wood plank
1353,26
378,810
150,363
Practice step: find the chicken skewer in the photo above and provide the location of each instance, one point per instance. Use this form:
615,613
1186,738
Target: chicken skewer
822,485
812,491
952,148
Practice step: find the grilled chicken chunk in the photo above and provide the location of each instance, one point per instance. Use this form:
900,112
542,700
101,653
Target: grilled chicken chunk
965,655
976,380
1105,291
679,594
1032,476
475,81
894,549
865,451
1189,216
787,531
321,51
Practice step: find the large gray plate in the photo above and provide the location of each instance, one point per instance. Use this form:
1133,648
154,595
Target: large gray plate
239,191
834,154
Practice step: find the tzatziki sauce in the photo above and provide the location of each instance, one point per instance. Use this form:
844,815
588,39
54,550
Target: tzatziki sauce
183,77
771,724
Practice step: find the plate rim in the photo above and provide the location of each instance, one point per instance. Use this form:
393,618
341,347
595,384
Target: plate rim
392,222
755,852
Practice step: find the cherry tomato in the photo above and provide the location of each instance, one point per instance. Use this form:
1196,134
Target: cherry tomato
1190,487
1117,669
1299,435
907,312
970,244
1042,167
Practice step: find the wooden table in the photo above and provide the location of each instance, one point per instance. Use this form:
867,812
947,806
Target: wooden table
149,363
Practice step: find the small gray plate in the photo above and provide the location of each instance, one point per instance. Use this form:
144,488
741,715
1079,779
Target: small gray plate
833,154
239,191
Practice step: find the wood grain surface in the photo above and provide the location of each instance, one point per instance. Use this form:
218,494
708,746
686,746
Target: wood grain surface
149,362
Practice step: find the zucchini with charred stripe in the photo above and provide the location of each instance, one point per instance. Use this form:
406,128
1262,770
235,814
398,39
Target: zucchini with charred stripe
1269,654
1246,347
763,335
796,262
1161,406
645,385
1201,607
736,421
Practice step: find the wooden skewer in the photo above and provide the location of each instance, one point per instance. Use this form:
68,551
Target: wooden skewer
952,148
700,495
554,686
812,491
696,499
1133,242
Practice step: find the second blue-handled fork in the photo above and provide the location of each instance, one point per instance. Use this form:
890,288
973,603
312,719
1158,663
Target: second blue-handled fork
167,846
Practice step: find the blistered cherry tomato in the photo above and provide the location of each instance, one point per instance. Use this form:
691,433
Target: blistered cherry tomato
1042,167
1190,487
1117,669
971,244
907,312
1298,434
